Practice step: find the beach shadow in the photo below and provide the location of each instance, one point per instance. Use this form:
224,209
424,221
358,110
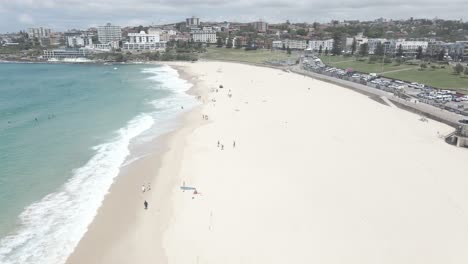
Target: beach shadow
187,188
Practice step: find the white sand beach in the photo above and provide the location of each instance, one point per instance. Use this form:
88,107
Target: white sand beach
318,174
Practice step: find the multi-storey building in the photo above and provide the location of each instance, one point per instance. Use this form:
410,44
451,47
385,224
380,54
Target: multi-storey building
65,53
277,44
109,33
410,48
434,48
372,44
298,44
38,33
74,39
315,45
41,34
56,39
390,47
192,21
260,26
164,35
359,38
203,36
144,42
462,47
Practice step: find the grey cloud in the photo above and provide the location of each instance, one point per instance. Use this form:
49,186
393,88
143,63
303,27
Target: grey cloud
78,13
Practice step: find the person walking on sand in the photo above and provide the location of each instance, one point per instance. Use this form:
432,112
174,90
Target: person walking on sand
222,147
218,143
234,144
146,205
143,189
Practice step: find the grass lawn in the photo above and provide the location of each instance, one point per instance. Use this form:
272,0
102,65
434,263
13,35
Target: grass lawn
254,56
362,66
335,59
440,78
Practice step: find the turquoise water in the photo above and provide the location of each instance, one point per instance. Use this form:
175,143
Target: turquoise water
64,132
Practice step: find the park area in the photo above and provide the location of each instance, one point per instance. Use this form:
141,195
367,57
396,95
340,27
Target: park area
439,76
252,56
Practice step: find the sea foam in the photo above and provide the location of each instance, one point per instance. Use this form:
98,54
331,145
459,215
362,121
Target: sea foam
51,228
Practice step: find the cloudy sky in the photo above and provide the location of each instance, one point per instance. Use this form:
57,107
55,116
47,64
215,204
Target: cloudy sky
65,14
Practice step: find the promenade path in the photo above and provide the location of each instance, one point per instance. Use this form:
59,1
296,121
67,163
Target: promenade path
430,111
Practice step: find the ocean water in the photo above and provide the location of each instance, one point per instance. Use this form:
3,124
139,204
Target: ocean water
65,131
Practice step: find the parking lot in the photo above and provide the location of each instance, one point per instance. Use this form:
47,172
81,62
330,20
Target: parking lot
448,100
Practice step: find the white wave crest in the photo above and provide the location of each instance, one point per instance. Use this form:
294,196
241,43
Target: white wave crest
51,228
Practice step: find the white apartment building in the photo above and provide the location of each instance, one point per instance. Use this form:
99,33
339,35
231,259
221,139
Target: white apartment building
109,33
42,34
411,47
100,47
144,42
65,53
277,44
298,44
359,38
142,37
372,44
79,41
315,45
39,32
203,36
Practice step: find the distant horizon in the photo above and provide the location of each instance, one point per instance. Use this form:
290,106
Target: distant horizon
60,15
95,25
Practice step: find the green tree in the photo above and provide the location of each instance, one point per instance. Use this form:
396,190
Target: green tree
315,25
466,71
301,32
36,42
326,51
337,47
229,43
353,46
379,49
419,53
288,51
219,43
320,50
422,66
399,51
238,43
441,55
458,68
284,47
364,49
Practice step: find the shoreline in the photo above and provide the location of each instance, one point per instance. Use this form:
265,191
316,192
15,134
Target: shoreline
427,111
287,184
141,171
